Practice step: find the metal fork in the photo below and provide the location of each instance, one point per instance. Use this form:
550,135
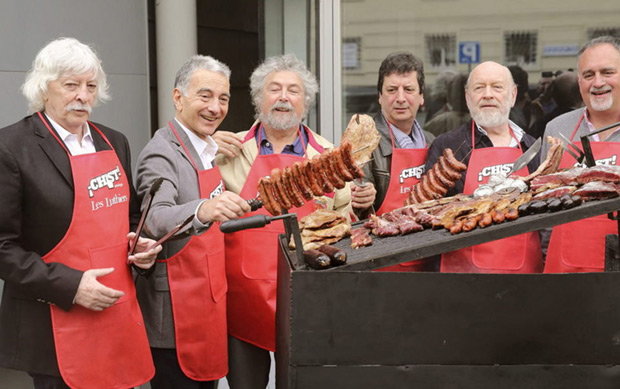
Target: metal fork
575,152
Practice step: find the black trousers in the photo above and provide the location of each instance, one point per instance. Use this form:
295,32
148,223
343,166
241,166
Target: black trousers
168,373
42,381
248,365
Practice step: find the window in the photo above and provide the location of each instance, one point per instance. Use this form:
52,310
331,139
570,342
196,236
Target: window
351,49
596,32
440,50
520,48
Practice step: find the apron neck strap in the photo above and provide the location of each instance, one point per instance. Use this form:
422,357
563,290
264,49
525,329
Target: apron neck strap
49,128
512,133
176,134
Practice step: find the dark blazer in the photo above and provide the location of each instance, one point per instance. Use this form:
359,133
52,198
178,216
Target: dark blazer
36,188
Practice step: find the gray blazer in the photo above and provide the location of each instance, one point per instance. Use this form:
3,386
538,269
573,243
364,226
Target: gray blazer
565,124
178,197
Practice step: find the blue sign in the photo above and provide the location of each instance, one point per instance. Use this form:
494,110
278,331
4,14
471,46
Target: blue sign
469,52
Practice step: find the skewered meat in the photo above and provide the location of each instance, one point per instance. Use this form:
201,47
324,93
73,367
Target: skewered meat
293,185
362,133
437,180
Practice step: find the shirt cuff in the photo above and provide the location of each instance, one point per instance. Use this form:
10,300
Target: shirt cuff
199,226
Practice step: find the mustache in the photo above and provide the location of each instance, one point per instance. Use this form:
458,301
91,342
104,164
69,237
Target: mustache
606,88
281,104
78,107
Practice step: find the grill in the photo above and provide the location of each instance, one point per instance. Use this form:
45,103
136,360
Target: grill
397,249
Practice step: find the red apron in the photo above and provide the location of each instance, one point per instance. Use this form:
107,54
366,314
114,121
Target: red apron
515,254
197,279
407,168
251,260
579,246
107,349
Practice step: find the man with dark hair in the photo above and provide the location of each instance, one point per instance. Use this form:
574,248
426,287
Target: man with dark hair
398,161
580,246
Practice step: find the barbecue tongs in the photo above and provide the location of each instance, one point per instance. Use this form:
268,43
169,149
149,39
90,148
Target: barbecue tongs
149,200
587,148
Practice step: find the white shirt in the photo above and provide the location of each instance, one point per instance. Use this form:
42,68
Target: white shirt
206,149
518,131
71,140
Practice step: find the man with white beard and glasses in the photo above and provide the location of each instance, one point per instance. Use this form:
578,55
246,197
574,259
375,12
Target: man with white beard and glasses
580,246
282,91
489,143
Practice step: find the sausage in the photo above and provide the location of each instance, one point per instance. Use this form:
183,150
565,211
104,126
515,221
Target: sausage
337,257
292,188
554,204
456,227
316,185
434,184
511,214
485,220
417,188
279,190
316,259
347,156
470,223
441,178
328,164
448,172
341,168
537,206
300,180
497,216
266,197
426,189
453,162
319,172
413,196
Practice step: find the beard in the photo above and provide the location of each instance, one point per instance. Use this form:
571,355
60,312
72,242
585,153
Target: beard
280,120
491,117
599,104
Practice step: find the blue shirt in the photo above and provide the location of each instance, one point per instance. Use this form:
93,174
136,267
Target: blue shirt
295,148
415,140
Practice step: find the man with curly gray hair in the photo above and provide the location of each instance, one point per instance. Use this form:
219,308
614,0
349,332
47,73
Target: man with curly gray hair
283,90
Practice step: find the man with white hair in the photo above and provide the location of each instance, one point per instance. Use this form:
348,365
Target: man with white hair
489,142
282,89
580,246
69,314
184,300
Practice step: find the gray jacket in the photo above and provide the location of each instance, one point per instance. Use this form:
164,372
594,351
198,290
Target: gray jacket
177,198
565,124
378,170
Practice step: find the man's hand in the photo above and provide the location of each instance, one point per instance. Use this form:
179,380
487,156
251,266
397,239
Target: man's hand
362,197
142,258
228,143
224,207
92,294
